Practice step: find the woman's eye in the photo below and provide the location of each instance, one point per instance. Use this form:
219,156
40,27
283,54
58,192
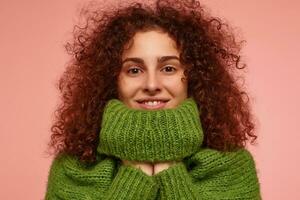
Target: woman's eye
133,70
169,69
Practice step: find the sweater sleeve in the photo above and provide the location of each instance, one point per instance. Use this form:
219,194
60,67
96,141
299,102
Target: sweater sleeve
69,179
211,175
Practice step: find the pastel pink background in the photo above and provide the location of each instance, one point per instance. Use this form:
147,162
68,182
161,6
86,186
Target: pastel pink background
32,58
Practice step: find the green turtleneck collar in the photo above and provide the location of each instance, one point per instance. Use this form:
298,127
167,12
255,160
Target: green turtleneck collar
150,135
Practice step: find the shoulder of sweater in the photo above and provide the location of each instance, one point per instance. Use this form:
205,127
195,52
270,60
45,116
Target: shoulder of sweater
233,171
66,159
213,154
210,161
64,165
68,177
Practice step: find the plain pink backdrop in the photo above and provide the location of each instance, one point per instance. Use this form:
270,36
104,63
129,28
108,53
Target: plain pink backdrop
32,58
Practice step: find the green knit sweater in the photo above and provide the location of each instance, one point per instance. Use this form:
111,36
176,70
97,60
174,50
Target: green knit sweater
153,136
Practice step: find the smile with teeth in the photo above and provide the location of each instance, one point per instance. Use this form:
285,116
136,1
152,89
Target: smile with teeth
152,103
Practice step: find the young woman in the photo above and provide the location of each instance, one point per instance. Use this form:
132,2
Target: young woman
151,109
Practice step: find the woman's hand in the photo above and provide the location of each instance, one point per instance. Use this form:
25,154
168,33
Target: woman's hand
147,168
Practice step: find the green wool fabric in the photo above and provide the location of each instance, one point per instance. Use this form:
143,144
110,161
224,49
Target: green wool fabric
154,136
150,135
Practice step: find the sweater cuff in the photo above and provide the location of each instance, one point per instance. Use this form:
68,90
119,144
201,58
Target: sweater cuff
132,183
176,183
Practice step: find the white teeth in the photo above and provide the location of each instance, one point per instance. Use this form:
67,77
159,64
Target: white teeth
152,103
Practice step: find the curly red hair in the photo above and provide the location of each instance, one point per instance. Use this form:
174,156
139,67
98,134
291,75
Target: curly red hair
208,49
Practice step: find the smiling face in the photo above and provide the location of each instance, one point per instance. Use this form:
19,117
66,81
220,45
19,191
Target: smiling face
151,74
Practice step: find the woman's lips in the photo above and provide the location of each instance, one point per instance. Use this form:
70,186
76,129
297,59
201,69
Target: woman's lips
159,105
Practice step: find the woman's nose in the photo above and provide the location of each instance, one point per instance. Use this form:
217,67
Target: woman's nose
152,83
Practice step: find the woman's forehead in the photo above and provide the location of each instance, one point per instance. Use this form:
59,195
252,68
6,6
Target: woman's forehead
150,44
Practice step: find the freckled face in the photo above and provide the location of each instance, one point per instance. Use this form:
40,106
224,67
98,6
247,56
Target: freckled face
151,74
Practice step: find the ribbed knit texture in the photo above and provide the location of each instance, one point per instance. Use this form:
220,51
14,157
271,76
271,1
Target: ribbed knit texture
211,175
150,135
206,174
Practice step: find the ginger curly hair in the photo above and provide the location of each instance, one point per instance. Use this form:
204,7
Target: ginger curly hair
209,51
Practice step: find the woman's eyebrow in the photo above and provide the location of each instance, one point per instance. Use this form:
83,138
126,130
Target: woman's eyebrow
141,61
165,58
137,60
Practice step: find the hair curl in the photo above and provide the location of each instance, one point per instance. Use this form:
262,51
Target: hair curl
208,49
